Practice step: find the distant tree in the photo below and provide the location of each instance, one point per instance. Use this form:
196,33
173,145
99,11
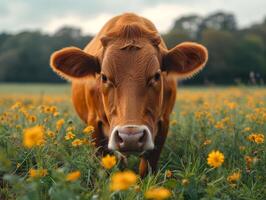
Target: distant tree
188,25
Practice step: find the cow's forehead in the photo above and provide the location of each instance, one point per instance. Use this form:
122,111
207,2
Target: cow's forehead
133,61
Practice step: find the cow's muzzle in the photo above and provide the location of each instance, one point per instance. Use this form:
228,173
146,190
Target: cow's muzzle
131,138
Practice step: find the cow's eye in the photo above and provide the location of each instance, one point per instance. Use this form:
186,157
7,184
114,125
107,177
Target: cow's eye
104,78
157,76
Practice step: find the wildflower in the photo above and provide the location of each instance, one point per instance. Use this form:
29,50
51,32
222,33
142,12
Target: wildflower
242,148
247,129
32,118
70,128
51,134
59,124
56,114
257,138
37,173
122,180
88,129
69,136
168,173
219,125
185,182
158,193
77,142
207,142
231,105
85,141
173,122
16,105
108,161
73,176
234,177
215,159
53,109
33,136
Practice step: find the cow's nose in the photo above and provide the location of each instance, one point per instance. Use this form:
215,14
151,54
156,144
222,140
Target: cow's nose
132,138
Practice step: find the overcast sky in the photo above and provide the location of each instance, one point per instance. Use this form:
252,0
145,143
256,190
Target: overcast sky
90,15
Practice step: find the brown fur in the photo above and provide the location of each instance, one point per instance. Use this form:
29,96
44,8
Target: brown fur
129,52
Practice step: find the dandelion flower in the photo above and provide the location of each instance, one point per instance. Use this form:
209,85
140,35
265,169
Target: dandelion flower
158,193
59,124
33,136
88,129
73,176
69,136
215,159
37,173
234,177
77,142
122,180
108,161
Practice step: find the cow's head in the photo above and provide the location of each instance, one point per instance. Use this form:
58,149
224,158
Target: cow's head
131,67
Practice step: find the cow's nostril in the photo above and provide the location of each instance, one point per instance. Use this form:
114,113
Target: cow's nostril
118,138
143,137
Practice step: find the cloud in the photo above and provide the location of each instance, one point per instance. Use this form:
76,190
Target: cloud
88,25
49,15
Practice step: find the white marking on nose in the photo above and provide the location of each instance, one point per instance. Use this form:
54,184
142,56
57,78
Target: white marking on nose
112,143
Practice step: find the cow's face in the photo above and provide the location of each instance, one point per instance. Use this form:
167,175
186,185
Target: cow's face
131,84
132,93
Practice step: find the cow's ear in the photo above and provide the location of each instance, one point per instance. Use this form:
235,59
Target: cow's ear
73,63
185,59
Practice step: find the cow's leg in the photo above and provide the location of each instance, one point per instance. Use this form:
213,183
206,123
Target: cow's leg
152,157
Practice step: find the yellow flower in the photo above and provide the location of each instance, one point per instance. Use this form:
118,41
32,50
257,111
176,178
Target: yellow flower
108,161
158,193
53,109
207,142
247,129
69,136
77,142
73,176
51,134
173,122
185,182
32,118
215,159
37,173
56,114
33,136
231,105
70,128
257,138
123,180
88,129
59,124
168,173
16,105
234,177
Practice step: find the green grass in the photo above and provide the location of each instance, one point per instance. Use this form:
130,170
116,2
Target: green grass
220,115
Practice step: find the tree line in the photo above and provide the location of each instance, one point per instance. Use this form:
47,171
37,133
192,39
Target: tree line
236,56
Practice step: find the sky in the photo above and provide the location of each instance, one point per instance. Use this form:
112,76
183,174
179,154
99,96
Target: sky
90,15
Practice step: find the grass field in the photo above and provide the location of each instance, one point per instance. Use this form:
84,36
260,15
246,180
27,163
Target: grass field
45,153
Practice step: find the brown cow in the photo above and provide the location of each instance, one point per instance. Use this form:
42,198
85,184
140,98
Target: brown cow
124,84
